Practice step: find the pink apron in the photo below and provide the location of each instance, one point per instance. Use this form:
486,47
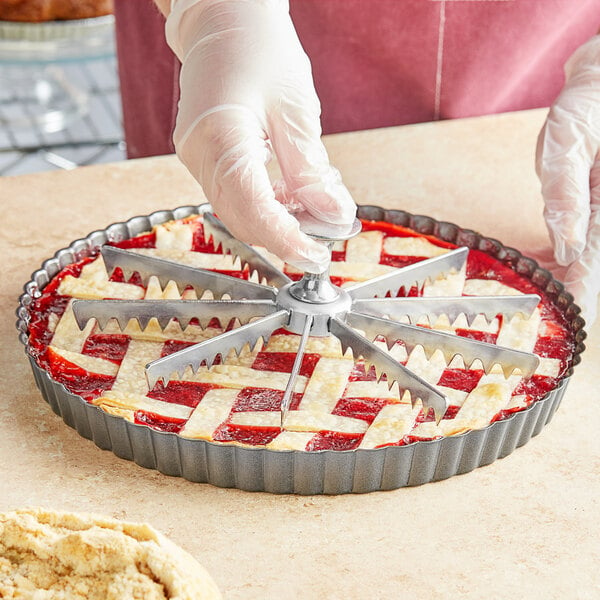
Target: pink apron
378,63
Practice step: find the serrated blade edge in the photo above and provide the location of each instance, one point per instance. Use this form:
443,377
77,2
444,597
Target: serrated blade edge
142,311
450,345
418,273
451,306
221,345
183,275
394,371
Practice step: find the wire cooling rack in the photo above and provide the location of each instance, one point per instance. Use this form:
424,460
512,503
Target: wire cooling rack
94,137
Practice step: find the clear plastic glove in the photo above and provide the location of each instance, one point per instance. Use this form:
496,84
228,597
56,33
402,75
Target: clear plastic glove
568,165
247,92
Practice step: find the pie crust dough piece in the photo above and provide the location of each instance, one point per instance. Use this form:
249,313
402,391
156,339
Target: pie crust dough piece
57,555
291,440
371,389
239,377
326,386
355,271
520,333
548,367
358,271
327,347
301,421
132,402
131,378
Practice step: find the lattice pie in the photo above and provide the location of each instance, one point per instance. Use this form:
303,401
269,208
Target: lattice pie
337,404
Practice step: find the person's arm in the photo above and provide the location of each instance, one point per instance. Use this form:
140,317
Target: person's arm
247,94
568,164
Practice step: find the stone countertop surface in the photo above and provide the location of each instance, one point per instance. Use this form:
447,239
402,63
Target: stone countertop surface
525,526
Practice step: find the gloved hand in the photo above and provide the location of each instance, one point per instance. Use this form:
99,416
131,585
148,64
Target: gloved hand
247,92
568,165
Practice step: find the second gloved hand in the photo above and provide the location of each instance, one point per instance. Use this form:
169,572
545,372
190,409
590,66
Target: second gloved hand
568,164
247,93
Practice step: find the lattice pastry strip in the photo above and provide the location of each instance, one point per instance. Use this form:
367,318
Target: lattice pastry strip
131,378
200,260
492,394
98,286
305,421
239,377
364,248
393,422
130,402
91,364
412,246
67,334
215,407
175,235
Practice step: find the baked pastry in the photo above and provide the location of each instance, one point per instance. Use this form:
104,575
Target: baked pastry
56,555
337,404
37,11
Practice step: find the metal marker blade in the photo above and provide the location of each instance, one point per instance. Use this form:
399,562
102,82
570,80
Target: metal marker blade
221,345
452,306
164,311
450,345
417,273
183,275
386,365
246,253
291,384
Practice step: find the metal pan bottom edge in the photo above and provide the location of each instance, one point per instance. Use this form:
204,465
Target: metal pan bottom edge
293,471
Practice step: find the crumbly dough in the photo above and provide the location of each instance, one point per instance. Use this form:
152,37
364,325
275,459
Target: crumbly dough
46,555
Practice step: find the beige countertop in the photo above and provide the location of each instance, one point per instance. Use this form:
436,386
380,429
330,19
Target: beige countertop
524,527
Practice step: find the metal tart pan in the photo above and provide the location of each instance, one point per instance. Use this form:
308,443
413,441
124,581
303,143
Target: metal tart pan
293,471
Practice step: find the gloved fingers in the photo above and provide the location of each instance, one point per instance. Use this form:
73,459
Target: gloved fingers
309,179
583,276
227,152
274,228
564,157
